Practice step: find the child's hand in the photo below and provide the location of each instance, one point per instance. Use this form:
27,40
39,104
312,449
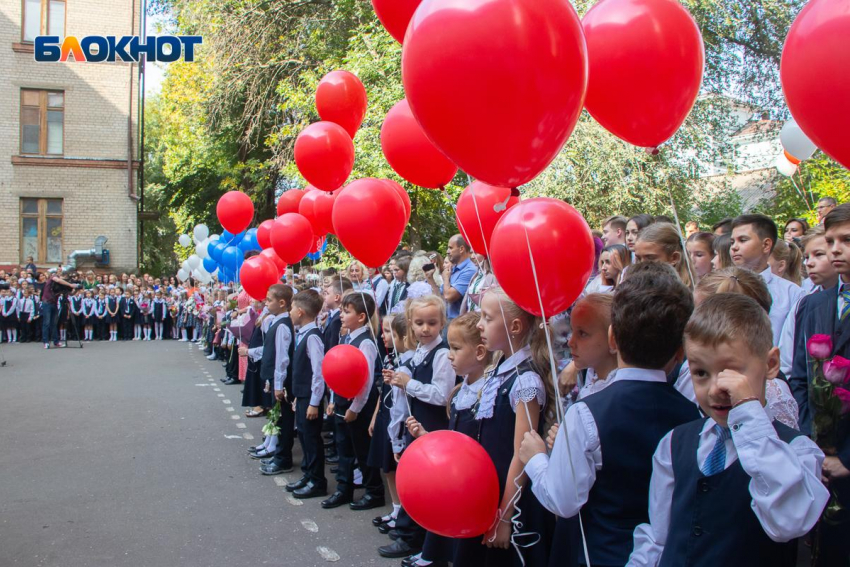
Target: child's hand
550,439
388,375
350,416
330,409
397,457
567,379
500,533
532,444
414,427
400,379
243,351
312,412
735,385
833,468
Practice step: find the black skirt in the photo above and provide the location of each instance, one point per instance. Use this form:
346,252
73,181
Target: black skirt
252,393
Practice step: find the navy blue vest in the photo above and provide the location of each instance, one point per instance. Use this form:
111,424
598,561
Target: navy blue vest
632,417
268,362
711,521
345,403
463,421
302,368
430,416
331,332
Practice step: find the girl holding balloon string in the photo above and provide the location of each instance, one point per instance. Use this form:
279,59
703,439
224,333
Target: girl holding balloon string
517,397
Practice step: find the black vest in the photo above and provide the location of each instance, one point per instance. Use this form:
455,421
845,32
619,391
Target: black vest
632,417
463,421
269,360
430,416
342,404
330,335
711,521
302,368
382,306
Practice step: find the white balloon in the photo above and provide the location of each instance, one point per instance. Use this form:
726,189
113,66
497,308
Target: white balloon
201,275
785,167
215,237
194,261
201,249
795,141
201,232
186,267
184,240
182,275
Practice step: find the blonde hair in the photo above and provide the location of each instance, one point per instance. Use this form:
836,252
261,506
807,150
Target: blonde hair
731,317
535,338
668,238
793,258
430,300
467,326
735,280
363,269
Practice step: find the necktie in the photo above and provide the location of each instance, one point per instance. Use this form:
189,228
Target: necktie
845,295
346,339
716,461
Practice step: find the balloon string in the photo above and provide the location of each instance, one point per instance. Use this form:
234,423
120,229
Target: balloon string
681,237
558,406
395,349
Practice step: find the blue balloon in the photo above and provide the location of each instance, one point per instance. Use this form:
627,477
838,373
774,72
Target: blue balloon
217,251
249,241
210,265
318,254
232,258
232,239
210,246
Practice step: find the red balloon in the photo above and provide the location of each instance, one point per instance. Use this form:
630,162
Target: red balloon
292,236
324,154
289,201
264,234
345,370
256,275
526,64
560,243
369,220
405,198
341,99
279,264
646,59
307,208
316,244
479,209
395,15
815,63
448,484
410,153
235,211
323,206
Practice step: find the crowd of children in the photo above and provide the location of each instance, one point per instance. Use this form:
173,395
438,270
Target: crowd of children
676,432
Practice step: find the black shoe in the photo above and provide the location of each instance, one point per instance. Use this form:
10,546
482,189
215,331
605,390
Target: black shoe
300,483
337,499
274,468
256,448
397,550
386,528
409,561
378,521
334,470
232,381
329,443
333,459
310,490
225,379
268,461
368,502
393,533
262,455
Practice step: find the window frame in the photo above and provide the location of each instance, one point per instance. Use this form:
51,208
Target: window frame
43,18
41,223
43,110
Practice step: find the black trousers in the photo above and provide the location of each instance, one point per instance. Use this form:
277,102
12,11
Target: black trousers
27,329
410,532
232,368
345,452
126,328
286,438
360,439
312,445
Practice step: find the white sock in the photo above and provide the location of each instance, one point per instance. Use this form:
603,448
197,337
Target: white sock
358,476
62,334
396,508
185,334
14,335
272,446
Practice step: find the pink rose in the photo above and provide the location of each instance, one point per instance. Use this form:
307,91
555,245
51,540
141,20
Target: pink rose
819,346
844,396
837,370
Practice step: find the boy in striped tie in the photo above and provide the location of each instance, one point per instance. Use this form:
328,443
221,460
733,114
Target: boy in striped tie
734,487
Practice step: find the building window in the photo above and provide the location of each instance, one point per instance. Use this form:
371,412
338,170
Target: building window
41,230
43,17
42,122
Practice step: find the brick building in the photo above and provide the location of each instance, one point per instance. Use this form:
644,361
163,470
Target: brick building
68,137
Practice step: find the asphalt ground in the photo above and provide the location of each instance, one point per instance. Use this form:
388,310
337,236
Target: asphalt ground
134,454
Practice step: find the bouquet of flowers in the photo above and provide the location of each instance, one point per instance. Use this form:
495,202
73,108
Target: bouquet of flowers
829,397
271,428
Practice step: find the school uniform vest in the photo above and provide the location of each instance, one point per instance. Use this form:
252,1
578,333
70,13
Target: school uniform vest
330,335
382,306
159,311
632,417
269,360
343,404
431,417
711,521
496,434
302,367
463,421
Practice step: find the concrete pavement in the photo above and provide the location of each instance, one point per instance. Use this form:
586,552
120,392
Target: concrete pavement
133,454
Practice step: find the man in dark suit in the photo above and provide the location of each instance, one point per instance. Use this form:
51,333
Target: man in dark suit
828,312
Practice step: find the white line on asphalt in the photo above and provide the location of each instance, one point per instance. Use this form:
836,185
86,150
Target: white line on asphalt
216,389
233,437
247,436
328,554
241,426
220,395
310,526
226,401
203,384
230,409
280,481
294,501
234,416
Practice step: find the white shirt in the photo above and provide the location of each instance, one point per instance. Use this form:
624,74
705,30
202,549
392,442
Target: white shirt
256,353
316,352
381,288
786,339
282,339
442,377
370,351
684,384
552,477
786,295
399,412
527,386
787,493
